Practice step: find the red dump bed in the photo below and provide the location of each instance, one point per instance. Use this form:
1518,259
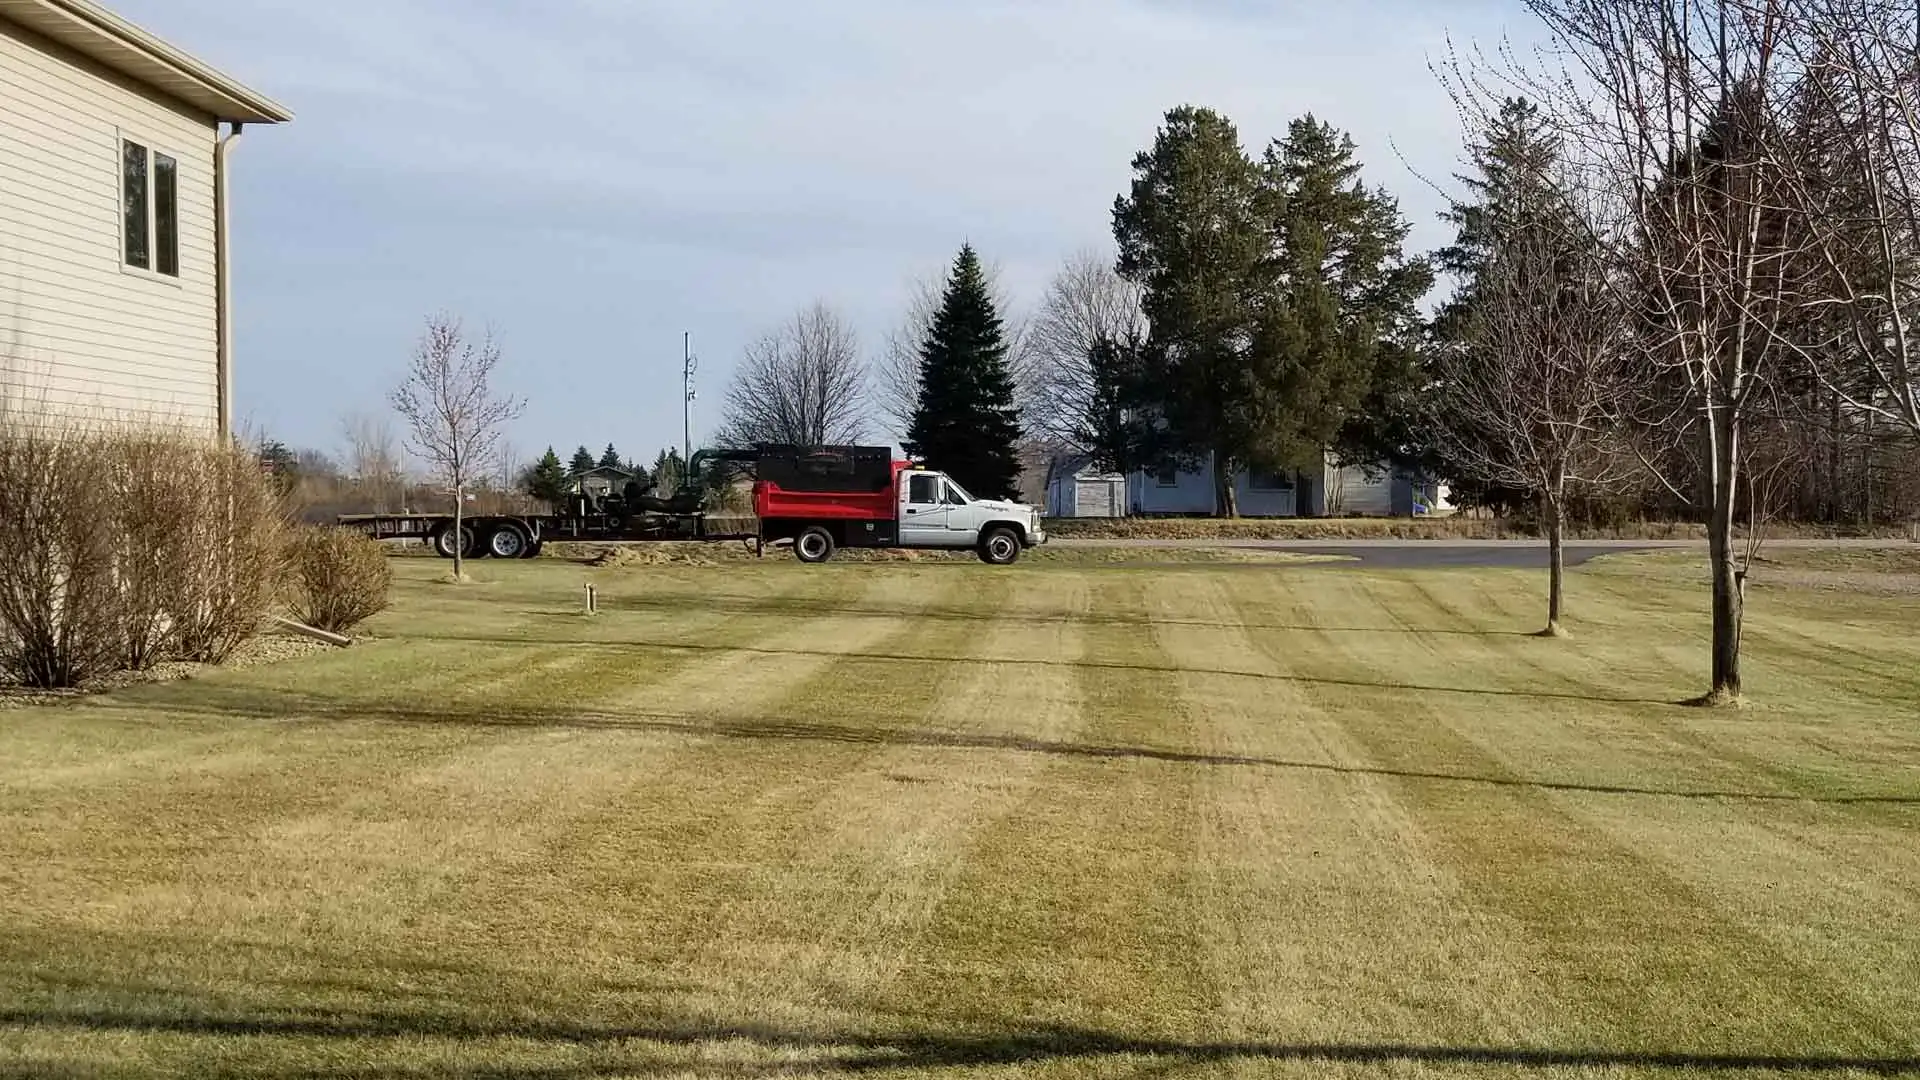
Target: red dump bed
771,500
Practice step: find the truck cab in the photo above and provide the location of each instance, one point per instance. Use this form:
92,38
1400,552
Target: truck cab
936,512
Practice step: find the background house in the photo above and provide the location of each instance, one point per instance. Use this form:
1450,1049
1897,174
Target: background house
114,296
1078,489
1175,491
601,481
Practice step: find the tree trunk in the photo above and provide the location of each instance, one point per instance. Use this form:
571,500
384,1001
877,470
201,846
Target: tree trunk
459,534
1725,433
1556,564
1226,499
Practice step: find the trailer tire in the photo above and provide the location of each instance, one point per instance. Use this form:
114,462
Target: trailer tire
532,552
1000,546
814,545
442,541
508,541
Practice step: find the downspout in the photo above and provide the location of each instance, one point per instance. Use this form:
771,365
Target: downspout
223,281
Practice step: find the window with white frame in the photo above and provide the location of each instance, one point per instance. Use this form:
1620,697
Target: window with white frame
150,211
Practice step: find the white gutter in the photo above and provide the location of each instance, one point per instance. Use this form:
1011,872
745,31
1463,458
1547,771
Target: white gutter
223,281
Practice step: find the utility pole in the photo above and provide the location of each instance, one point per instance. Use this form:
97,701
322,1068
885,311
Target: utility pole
689,366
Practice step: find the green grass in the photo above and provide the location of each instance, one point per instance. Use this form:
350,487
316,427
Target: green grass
943,820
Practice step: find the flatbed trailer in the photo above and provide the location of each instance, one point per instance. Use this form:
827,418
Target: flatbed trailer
520,536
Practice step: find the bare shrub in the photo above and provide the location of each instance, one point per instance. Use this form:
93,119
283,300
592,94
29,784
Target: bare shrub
227,572
123,547
339,578
59,603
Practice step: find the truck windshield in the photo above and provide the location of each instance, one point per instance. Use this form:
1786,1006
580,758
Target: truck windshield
957,495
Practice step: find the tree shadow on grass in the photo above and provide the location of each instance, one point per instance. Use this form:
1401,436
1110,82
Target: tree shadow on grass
1051,662
243,702
802,606
857,1052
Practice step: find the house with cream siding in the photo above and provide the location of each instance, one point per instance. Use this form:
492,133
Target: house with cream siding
115,279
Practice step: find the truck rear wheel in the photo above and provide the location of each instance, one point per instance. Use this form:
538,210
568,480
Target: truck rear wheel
508,541
814,545
999,547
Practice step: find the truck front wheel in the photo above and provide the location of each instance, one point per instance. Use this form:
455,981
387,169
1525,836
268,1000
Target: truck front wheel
999,547
443,541
814,545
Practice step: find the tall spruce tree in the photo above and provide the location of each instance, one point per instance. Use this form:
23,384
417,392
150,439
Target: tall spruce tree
1281,308
610,458
965,423
1190,237
582,462
1345,324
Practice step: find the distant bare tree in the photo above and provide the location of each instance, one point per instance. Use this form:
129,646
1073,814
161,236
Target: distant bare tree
802,383
1533,399
1086,305
896,370
454,417
1851,178
373,459
1677,113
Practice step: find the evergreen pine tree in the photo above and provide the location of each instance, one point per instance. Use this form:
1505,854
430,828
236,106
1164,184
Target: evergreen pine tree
610,458
1343,333
1190,237
548,478
668,471
582,462
965,423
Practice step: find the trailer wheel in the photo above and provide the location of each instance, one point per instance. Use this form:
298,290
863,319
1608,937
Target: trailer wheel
443,541
532,552
1000,547
814,545
508,541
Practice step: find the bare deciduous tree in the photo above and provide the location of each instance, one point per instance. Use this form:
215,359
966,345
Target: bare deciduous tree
1852,181
1086,304
1532,399
1677,110
454,418
801,384
373,460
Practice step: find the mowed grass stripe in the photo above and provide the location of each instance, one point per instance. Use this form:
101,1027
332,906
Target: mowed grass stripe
1293,922
356,833
1604,924
1070,912
754,787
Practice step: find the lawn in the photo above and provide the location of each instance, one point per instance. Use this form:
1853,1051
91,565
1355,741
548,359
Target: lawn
897,820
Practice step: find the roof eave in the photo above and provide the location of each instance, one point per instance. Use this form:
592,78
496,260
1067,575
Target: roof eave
93,31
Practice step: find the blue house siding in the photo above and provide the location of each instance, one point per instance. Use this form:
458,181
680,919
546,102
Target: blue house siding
1190,493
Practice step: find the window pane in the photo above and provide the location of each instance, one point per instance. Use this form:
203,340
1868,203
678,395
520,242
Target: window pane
923,489
166,237
133,172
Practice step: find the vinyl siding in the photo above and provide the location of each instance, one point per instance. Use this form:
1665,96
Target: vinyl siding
78,332
1192,494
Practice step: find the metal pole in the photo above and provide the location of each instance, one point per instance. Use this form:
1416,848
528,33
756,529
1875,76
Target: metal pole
686,387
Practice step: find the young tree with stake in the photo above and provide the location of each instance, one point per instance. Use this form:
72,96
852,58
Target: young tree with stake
454,418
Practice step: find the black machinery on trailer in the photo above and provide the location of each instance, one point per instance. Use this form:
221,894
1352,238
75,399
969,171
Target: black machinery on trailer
631,515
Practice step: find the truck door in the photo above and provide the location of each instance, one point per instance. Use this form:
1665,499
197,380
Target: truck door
963,517
923,512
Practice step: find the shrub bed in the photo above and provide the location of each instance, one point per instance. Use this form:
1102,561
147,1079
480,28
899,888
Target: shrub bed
127,548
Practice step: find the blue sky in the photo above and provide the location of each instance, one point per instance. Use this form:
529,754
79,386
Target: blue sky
594,177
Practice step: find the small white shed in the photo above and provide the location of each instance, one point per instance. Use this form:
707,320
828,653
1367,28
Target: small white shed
1081,489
